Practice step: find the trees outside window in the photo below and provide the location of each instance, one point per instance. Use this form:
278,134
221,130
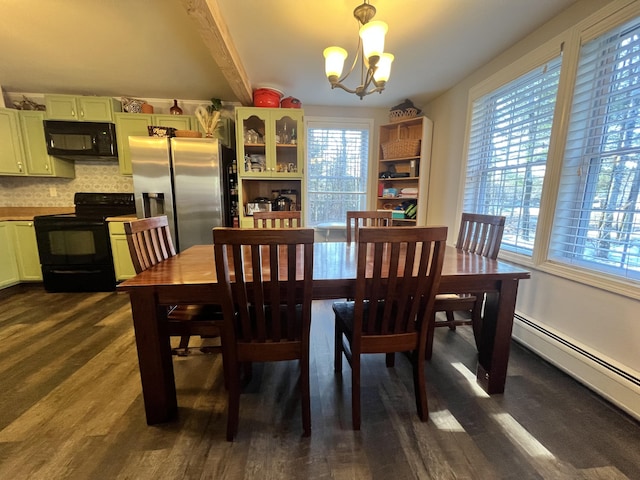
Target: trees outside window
507,153
597,218
337,166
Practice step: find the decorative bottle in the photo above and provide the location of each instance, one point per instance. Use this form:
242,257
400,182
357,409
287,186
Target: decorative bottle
175,110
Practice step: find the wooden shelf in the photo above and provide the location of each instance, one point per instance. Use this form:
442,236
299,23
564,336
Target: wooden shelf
413,179
400,159
417,166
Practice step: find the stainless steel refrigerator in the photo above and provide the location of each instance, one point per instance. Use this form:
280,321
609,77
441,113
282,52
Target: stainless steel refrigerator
185,179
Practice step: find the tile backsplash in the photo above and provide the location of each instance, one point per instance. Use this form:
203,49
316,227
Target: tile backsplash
93,176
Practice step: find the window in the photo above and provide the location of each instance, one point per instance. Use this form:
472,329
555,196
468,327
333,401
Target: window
597,218
337,165
507,153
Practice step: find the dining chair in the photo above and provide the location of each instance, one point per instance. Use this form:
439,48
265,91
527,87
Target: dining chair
366,218
150,243
481,235
267,317
398,274
277,219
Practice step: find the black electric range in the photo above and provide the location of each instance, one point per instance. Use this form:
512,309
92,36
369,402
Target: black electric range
74,248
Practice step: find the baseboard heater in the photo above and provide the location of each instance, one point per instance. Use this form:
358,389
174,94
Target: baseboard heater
613,369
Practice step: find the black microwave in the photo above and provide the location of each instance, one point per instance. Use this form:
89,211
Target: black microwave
81,140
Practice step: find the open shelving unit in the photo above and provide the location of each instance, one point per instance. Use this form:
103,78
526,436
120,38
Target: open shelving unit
404,160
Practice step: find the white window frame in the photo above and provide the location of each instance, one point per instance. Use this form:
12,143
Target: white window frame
570,41
340,123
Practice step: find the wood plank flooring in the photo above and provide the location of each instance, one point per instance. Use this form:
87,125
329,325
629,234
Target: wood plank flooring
71,408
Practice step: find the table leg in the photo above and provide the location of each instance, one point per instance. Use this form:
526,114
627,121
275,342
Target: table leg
154,357
495,337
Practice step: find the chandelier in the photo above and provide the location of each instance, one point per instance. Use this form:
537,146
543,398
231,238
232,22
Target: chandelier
375,66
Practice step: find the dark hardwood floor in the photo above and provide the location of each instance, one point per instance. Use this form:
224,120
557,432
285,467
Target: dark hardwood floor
71,408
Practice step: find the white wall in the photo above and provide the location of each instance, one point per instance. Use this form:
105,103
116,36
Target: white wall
586,331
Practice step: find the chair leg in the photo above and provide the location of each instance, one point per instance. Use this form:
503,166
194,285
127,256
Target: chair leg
450,318
233,402
355,391
390,359
337,350
183,347
419,386
305,395
428,351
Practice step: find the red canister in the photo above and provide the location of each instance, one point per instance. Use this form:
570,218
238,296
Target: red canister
266,97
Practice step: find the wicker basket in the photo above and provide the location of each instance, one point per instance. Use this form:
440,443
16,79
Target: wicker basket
400,147
398,115
188,133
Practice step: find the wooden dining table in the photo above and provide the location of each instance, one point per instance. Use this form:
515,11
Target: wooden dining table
190,278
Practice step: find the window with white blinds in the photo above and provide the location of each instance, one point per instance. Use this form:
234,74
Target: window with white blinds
597,218
507,153
337,166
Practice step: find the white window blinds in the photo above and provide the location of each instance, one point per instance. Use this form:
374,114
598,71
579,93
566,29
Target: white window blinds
337,165
597,218
507,153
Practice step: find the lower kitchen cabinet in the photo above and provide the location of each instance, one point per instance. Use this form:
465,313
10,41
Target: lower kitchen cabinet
26,251
9,274
120,250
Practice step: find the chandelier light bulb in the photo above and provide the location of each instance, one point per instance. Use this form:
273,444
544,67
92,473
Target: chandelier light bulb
334,61
383,70
372,35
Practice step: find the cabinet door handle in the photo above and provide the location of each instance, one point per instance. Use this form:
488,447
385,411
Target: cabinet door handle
73,113
81,113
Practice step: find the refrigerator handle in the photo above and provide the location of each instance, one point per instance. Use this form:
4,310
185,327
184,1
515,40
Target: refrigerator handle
152,204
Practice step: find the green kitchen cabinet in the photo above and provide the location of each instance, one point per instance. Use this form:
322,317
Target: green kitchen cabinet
120,250
81,108
136,124
9,274
38,161
11,148
26,251
270,150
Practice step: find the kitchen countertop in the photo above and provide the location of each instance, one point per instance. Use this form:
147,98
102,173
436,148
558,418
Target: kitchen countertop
27,213
123,218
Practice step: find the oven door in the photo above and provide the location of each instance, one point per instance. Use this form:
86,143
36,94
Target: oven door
75,255
62,242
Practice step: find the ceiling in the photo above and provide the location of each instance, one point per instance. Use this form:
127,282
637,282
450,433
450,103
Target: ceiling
198,49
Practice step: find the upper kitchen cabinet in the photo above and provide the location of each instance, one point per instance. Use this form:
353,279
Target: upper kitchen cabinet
136,124
11,149
81,108
38,161
270,142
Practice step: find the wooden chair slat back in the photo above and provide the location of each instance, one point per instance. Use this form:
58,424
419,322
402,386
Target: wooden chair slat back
278,219
398,273
269,294
481,234
149,241
366,218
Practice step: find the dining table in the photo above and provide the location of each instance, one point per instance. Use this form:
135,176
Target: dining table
190,278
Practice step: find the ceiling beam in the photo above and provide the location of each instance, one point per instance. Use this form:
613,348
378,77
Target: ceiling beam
213,30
